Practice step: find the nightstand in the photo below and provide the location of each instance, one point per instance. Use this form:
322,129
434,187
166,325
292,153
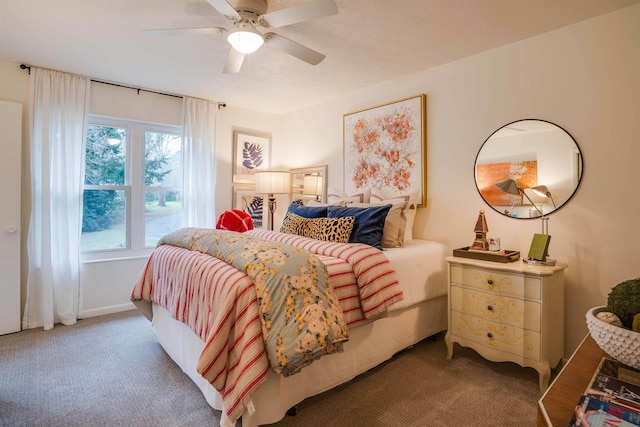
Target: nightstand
508,312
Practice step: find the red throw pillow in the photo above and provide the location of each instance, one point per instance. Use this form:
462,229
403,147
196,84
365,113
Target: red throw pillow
235,220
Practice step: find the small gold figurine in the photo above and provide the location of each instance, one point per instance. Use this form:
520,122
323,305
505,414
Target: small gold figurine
480,243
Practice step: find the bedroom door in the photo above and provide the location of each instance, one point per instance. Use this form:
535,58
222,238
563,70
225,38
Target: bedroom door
10,160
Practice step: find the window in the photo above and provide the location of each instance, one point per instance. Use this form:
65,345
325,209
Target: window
133,183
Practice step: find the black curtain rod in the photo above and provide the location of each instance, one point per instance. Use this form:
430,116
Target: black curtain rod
220,104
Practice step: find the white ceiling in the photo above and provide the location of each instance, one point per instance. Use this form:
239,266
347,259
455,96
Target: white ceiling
366,43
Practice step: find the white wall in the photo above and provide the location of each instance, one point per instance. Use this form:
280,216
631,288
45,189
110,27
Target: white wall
230,118
584,78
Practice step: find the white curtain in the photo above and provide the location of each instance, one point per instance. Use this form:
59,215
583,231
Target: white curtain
59,104
198,148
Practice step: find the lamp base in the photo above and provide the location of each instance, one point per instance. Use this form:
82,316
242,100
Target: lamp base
535,262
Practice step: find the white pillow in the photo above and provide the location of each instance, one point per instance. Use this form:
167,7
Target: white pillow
378,197
317,203
360,196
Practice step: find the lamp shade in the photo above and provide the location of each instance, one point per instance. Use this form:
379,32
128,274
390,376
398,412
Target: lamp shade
272,182
245,39
312,185
508,186
543,191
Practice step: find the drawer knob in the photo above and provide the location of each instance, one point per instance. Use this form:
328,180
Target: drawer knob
490,281
489,335
490,307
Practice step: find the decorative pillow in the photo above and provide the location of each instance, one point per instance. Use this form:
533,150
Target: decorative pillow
308,211
325,229
292,224
235,220
394,223
361,196
329,229
409,212
369,223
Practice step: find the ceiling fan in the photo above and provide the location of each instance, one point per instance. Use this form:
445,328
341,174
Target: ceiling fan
245,38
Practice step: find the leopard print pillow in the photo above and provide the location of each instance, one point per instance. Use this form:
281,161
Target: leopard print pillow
325,229
292,224
329,229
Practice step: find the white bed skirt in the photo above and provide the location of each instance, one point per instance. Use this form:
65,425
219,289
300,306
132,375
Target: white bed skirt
368,346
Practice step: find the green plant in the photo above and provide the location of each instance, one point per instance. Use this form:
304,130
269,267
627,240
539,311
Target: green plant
624,301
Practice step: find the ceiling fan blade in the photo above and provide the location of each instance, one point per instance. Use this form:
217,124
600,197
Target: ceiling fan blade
302,12
183,31
224,8
234,61
293,48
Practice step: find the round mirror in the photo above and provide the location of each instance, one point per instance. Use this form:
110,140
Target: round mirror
528,168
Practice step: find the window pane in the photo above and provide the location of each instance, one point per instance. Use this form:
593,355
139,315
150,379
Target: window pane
104,225
162,215
162,160
105,155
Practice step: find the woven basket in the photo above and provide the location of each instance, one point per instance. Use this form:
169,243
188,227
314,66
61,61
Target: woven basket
620,343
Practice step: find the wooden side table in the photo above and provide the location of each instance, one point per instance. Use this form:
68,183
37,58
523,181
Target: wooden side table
508,312
556,406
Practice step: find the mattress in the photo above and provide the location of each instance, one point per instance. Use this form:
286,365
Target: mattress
421,270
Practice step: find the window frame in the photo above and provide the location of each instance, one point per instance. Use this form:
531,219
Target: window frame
134,185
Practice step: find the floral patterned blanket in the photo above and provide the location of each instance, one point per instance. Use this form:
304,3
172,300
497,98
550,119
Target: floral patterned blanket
300,314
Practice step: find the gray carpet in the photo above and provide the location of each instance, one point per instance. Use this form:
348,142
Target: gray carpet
111,371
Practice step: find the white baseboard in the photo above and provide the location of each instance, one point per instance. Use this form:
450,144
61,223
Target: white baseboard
106,310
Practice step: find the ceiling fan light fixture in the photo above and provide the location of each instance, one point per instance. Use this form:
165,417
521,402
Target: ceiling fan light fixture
245,39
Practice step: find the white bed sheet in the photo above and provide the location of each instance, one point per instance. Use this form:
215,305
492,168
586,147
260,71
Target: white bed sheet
369,345
421,269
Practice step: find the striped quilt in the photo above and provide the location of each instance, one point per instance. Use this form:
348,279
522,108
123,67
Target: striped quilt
219,303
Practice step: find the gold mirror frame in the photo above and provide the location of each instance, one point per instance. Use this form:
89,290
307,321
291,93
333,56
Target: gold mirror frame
297,181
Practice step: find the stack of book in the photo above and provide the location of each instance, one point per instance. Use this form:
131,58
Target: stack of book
612,398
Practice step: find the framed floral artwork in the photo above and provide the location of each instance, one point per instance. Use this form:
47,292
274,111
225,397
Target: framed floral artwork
251,154
246,200
385,148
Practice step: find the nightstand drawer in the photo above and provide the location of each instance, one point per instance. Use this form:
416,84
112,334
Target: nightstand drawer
504,283
496,308
497,337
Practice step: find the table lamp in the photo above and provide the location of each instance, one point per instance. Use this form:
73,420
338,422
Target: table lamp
312,186
272,183
540,243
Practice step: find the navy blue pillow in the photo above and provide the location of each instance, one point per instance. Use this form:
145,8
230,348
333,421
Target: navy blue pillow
308,211
369,222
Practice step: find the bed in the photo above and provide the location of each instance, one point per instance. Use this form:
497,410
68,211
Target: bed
419,272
